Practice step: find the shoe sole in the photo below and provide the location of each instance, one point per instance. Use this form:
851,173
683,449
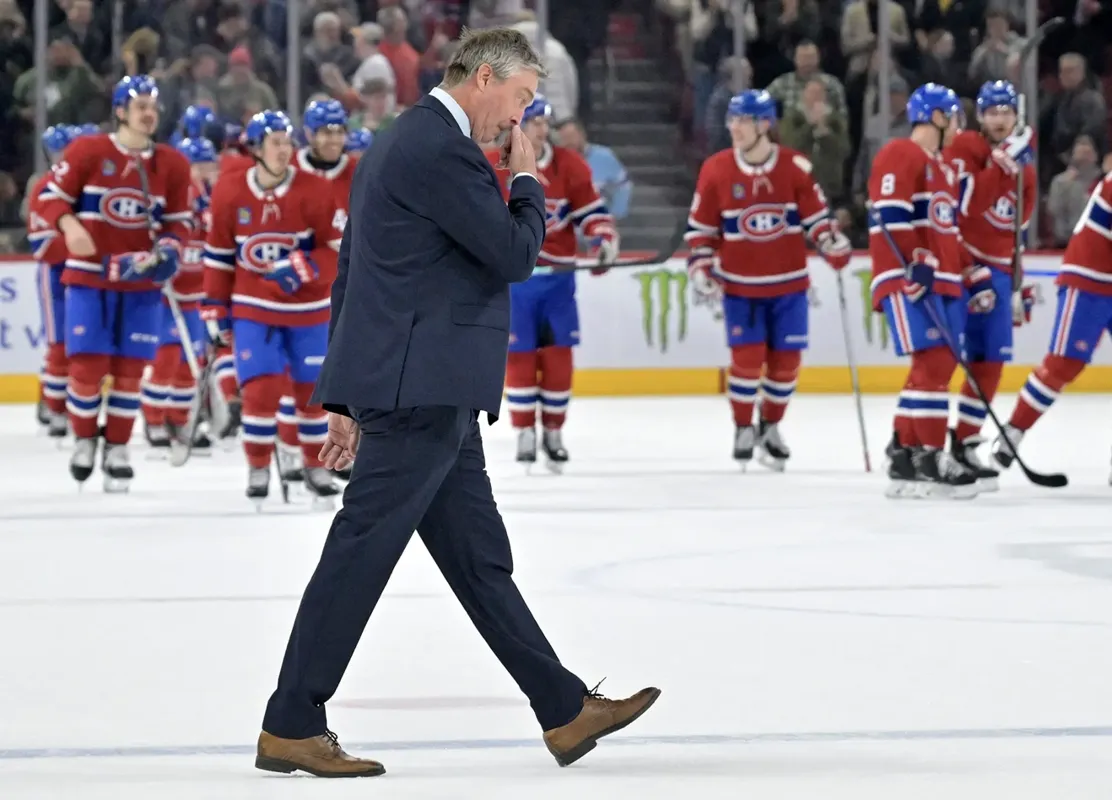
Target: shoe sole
268,764
587,745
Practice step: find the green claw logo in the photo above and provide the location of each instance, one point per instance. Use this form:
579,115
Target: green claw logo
869,317
662,291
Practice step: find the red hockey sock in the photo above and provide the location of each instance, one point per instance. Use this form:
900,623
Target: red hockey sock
83,398
54,377
183,390
901,423
123,399
927,400
778,383
1043,387
555,386
224,368
522,392
312,424
287,416
156,387
260,405
971,410
744,379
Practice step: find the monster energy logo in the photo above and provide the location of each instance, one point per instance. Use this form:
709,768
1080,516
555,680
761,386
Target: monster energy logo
663,291
871,318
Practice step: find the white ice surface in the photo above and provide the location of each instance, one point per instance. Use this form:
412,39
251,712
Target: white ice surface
812,639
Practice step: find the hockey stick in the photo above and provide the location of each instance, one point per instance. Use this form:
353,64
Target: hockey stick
1029,48
853,377
674,243
181,451
1054,480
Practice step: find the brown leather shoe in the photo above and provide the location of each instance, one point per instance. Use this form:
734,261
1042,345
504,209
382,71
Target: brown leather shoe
320,755
600,717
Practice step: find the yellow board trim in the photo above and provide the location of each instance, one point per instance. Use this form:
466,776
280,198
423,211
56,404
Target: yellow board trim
705,380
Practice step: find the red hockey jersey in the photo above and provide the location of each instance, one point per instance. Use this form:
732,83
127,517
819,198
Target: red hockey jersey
188,284
915,194
97,180
571,202
234,161
340,177
747,222
1087,263
252,228
47,243
987,200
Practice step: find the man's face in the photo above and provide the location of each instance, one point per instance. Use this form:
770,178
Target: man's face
375,103
806,59
571,136
328,142
502,102
241,73
1070,73
744,131
996,28
141,114
1084,154
205,68
997,123
327,34
80,12
276,152
536,130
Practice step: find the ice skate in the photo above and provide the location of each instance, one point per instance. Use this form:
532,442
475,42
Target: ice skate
58,427
891,449
321,486
202,442
158,438
1000,450
82,461
555,455
774,453
965,453
258,485
42,414
117,469
939,475
342,474
527,447
745,439
290,462
901,471
228,426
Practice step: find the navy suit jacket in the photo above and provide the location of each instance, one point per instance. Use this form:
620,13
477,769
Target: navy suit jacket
421,303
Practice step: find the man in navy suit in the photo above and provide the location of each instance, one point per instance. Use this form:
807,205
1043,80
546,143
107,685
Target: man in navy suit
417,348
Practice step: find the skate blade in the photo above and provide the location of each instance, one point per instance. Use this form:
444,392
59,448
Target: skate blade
228,444
323,503
937,491
988,485
555,467
772,463
202,452
117,485
900,490
158,453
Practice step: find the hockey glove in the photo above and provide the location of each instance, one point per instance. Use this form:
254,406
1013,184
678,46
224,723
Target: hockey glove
158,265
920,274
1023,302
982,297
293,272
217,322
835,248
700,271
1019,148
606,251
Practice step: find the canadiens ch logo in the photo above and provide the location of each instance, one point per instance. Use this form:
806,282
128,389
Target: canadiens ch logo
1001,214
941,211
762,223
124,208
263,249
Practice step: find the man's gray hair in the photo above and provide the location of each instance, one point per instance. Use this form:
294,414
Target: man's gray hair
505,50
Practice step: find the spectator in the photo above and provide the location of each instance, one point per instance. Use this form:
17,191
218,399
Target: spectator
493,13
783,26
878,132
815,129
88,38
859,26
938,64
73,91
962,19
415,25
788,88
610,177
240,93
1076,110
15,58
561,87
990,59
714,41
373,65
1070,190
734,76
186,24
376,111
325,48
234,30
189,82
405,61
581,27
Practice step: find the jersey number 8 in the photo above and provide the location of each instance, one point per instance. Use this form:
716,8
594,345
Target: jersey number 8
887,184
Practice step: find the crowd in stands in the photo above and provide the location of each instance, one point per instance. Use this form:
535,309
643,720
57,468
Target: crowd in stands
819,59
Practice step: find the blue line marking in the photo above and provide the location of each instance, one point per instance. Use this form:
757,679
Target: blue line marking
698,740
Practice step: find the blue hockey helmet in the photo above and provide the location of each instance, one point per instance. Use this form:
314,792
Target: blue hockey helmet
358,141
131,86
198,151
538,109
324,113
89,129
931,97
755,103
997,93
56,137
194,120
263,124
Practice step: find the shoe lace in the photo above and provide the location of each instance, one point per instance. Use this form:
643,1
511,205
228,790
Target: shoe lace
334,740
594,693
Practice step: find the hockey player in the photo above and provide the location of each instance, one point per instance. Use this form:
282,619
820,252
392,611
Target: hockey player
196,122
49,250
122,203
755,206
544,319
169,389
987,164
267,281
325,130
913,193
1084,312
358,141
